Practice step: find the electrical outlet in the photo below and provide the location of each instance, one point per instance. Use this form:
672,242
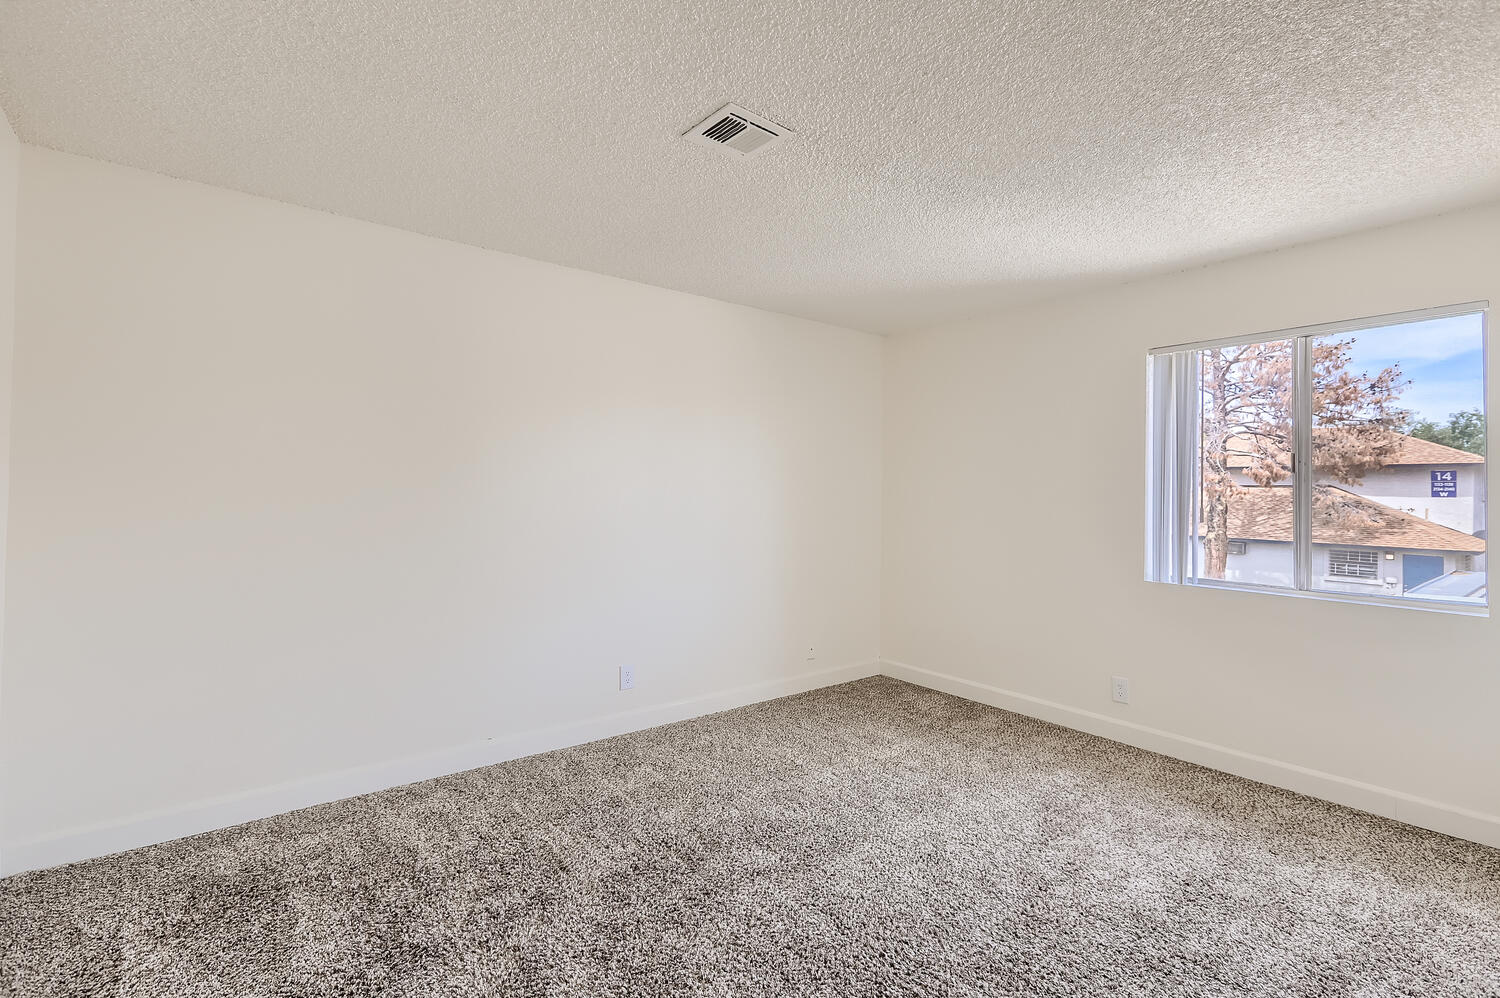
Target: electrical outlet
627,677
810,655
1119,689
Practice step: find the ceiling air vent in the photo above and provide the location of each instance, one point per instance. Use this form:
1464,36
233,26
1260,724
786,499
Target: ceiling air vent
738,132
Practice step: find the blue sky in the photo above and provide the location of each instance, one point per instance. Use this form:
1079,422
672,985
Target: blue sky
1443,359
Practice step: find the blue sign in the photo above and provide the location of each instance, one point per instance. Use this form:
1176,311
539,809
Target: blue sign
1445,485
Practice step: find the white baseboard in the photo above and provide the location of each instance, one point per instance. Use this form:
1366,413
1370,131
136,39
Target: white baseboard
1434,815
220,812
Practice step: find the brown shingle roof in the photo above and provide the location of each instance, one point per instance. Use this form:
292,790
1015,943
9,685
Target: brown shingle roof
1414,451
1340,517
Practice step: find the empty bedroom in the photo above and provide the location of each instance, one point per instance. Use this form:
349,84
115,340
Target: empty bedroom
748,499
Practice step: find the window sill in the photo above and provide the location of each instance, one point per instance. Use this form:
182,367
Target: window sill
1399,602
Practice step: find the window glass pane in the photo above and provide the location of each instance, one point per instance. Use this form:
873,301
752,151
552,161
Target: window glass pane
1399,461
1245,500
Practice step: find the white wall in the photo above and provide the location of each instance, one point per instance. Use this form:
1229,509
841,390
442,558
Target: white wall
304,506
1409,487
1264,563
1014,484
10,153
295,494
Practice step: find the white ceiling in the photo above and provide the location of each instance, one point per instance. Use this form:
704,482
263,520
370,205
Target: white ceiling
949,157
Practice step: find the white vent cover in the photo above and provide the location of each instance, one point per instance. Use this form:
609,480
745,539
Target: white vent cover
737,132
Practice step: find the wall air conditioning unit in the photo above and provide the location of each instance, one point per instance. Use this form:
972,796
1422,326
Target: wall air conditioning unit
738,132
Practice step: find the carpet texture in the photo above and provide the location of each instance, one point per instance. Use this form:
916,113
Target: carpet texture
874,838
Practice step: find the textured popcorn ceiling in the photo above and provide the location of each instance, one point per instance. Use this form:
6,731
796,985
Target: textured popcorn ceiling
949,157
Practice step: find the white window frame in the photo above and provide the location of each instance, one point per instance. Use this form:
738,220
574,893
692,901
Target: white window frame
1173,407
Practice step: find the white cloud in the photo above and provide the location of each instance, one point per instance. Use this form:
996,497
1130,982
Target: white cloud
1418,342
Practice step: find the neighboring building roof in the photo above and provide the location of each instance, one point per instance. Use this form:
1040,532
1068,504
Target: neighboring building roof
1414,451
1264,513
1464,585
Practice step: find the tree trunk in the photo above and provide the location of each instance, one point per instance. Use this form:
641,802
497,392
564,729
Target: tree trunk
1214,466
1215,531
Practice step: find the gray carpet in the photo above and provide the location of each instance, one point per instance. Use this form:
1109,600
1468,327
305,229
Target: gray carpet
874,838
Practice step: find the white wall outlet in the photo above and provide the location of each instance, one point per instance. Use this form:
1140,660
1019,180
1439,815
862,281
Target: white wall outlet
627,677
810,655
1119,689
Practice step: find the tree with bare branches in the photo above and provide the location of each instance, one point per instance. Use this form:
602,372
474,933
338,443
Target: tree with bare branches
1247,426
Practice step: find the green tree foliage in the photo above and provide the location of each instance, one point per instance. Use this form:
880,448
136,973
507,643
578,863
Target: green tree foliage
1463,431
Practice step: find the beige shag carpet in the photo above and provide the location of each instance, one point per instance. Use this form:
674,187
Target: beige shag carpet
873,838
